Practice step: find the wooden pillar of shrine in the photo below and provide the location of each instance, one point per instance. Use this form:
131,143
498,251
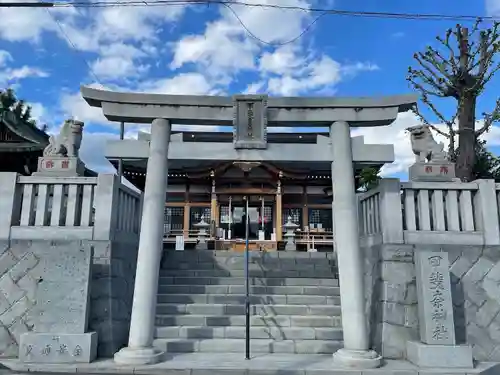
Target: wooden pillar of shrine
187,213
214,207
305,209
279,213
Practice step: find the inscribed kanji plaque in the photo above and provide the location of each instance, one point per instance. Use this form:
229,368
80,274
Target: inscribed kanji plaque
250,121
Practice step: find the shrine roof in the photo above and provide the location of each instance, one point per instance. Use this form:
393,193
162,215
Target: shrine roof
31,138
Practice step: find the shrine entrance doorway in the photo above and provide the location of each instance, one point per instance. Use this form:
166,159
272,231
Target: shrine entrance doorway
233,211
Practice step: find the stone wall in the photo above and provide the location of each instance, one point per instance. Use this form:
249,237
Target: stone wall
44,287
475,280
112,292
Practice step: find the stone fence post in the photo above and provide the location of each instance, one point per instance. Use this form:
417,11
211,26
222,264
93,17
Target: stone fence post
486,212
391,210
9,199
106,206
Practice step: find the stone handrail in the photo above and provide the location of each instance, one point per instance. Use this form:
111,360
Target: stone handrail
431,213
86,208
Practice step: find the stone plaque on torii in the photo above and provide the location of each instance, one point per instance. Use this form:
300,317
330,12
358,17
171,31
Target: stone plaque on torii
250,121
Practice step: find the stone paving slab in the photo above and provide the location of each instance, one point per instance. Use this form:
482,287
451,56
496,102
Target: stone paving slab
235,364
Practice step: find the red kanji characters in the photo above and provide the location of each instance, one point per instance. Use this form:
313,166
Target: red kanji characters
49,164
65,164
444,170
428,169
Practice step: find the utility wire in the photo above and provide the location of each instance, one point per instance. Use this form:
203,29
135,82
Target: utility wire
274,44
73,46
228,4
124,3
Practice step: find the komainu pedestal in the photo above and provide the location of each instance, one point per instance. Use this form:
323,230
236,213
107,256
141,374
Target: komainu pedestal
60,166
438,171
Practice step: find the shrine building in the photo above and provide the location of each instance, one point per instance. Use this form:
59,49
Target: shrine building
287,176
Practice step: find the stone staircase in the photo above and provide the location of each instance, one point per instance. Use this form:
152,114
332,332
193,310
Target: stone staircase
295,303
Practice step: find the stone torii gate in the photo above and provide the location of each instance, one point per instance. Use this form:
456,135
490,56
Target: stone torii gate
250,116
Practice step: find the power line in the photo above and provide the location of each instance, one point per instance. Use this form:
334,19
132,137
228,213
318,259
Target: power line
120,3
276,44
73,46
229,3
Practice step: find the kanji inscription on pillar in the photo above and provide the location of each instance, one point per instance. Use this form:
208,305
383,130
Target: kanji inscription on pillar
250,121
435,306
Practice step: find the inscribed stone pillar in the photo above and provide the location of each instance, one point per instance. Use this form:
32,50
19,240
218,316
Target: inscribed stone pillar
140,349
356,353
438,347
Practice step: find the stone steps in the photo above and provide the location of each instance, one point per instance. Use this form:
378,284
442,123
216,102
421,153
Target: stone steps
272,299
260,332
328,291
315,321
257,309
294,303
168,280
239,264
180,345
277,273
302,257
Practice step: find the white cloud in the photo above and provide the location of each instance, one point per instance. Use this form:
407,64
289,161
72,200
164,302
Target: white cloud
120,36
92,151
75,105
5,57
394,134
492,7
117,67
10,76
226,47
283,60
292,73
24,24
221,50
182,84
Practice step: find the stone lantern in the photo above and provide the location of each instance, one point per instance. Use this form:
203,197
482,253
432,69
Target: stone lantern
289,235
202,227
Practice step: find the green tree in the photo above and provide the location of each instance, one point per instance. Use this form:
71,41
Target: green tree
10,103
368,178
487,165
459,69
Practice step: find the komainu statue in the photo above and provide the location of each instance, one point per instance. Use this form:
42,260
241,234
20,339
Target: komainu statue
68,141
424,146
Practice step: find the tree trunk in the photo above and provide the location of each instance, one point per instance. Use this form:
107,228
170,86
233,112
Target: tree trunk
466,156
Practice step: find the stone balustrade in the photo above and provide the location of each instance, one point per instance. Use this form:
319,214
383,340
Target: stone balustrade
79,208
430,213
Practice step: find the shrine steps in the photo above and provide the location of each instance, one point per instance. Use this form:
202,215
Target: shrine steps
295,303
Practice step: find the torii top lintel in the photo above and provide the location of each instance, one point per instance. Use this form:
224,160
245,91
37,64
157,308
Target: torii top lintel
222,110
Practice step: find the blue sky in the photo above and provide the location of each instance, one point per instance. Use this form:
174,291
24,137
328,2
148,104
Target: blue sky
204,50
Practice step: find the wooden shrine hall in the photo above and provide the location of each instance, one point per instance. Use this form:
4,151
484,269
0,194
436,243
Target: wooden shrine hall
217,191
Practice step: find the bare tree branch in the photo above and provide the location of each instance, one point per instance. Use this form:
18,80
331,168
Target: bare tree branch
462,67
424,90
489,119
446,43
